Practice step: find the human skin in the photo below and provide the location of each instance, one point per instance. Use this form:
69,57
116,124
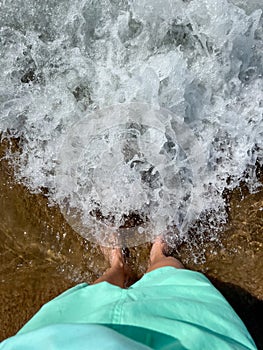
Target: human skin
118,271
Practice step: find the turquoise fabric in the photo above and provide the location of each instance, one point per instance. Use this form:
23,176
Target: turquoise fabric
72,336
180,304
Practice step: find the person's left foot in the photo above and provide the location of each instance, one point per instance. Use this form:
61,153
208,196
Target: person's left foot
158,248
113,256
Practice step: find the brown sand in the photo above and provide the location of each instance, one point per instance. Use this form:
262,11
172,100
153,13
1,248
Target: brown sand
41,256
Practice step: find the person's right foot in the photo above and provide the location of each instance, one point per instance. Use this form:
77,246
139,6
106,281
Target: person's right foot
159,256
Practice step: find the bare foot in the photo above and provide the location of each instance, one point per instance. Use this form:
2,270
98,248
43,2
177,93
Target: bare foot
158,248
119,272
113,256
159,256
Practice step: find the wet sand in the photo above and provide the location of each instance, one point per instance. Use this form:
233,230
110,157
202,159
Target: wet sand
41,256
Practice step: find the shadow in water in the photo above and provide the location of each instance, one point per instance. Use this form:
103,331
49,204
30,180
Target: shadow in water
248,308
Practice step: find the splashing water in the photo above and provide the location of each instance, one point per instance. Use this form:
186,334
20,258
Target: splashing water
125,161
194,66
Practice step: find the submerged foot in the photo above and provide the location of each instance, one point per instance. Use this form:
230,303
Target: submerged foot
113,256
158,249
116,259
159,256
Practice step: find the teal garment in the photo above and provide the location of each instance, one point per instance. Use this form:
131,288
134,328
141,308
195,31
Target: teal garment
72,336
180,304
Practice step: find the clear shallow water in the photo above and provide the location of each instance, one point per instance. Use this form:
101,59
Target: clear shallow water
200,60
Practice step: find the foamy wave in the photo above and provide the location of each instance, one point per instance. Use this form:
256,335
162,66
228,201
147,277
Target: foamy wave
201,60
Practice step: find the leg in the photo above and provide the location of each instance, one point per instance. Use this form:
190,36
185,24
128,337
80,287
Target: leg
115,274
158,259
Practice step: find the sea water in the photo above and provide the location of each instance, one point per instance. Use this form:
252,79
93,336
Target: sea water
146,109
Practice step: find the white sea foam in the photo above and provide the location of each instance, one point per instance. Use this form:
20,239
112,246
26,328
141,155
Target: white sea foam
199,59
